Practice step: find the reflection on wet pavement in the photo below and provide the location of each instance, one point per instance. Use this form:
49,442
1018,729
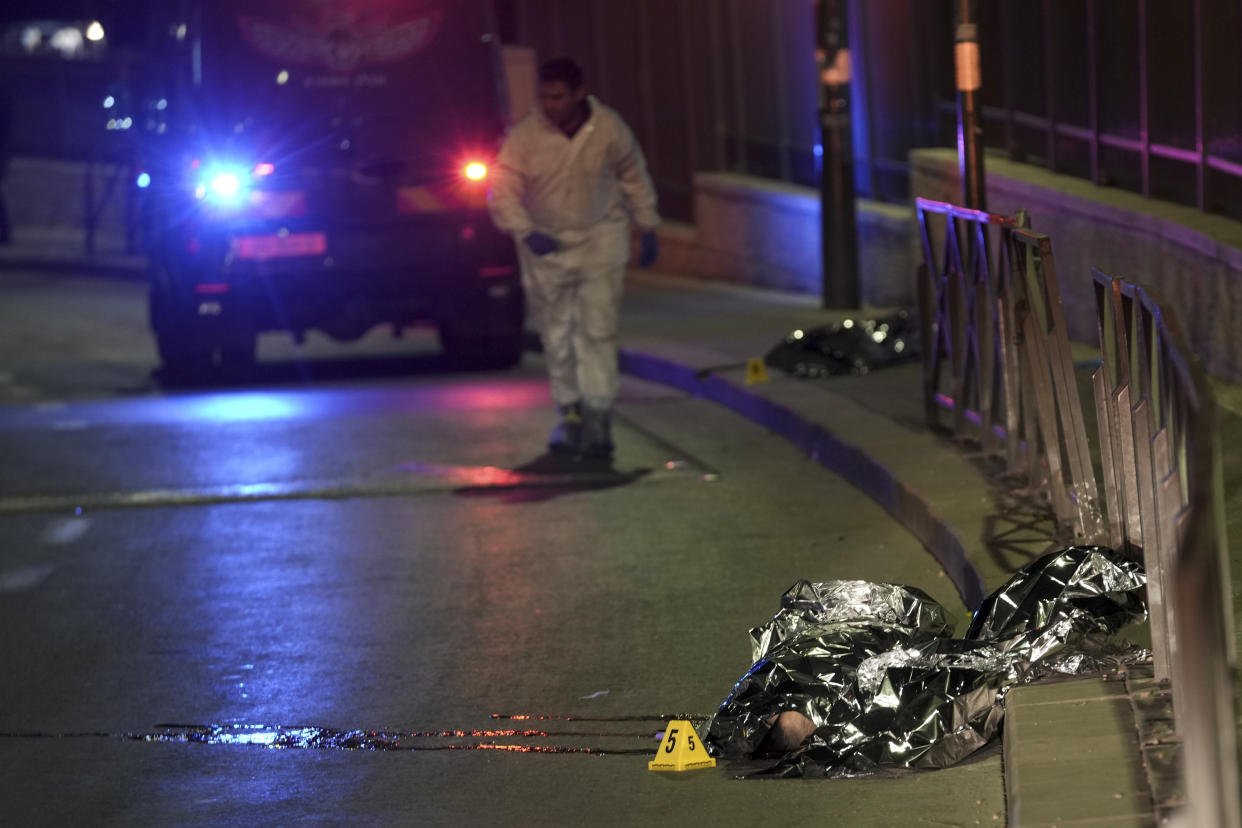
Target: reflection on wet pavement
322,738
549,475
517,740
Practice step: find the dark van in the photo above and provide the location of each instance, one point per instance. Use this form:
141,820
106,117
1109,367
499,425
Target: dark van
323,164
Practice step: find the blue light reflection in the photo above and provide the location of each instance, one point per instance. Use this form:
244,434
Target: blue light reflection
223,184
224,408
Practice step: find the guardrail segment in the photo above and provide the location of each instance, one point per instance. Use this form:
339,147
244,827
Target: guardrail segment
996,318
998,323
1162,470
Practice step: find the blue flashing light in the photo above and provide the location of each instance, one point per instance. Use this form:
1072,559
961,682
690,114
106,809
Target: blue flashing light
143,181
223,185
818,150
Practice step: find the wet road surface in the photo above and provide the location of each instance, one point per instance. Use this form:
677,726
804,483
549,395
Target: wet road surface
385,559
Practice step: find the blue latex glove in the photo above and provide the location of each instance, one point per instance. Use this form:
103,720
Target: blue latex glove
649,250
541,244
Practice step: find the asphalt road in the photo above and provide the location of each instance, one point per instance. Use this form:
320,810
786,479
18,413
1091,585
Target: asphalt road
364,548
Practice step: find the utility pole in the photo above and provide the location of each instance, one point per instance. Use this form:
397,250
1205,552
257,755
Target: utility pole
839,233
969,102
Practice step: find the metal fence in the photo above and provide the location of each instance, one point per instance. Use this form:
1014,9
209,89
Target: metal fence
705,84
1136,94
731,84
1162,482
991,309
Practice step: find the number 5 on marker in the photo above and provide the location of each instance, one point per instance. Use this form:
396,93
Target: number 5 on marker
680,754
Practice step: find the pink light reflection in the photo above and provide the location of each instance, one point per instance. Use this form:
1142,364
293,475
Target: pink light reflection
486,395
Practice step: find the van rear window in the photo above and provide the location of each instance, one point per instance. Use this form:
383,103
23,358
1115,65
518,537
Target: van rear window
338,40
386,71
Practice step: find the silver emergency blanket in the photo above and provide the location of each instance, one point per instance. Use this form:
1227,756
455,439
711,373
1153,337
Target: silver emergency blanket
851,346
875,669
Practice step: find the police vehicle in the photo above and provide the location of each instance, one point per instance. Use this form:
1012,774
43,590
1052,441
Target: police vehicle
323,165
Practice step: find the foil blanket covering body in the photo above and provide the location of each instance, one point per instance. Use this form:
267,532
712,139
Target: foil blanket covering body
852,346
875,669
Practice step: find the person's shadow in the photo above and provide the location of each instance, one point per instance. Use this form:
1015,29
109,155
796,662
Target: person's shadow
553,474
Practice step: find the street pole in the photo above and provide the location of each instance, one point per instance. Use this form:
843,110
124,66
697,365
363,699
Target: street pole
969,122
838,231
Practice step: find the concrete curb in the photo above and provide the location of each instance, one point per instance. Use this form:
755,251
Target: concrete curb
1072,756
860,469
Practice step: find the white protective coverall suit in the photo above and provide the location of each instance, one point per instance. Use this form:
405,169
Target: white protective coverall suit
581,191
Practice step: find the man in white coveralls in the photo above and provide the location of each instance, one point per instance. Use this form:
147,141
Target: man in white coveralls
570,177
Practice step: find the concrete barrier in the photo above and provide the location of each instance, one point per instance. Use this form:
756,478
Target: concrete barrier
755,231
1193,259
49,197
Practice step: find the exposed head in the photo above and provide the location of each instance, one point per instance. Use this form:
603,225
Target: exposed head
561,90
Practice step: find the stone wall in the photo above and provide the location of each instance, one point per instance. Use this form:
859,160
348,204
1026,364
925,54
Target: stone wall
764,233
1193,260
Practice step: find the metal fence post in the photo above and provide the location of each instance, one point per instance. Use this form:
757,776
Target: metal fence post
838,222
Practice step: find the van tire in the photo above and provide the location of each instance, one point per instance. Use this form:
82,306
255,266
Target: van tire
183,361
482,351
237,358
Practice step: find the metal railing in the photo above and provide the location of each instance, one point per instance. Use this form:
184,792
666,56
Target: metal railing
1162,481
990,305
1130,93
991,308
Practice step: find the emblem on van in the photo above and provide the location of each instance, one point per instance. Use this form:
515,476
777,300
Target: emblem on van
341,44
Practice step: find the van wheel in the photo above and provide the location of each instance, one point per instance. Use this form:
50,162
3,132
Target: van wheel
494,351
184,362
237,357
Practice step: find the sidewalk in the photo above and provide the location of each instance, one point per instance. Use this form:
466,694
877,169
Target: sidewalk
1074,751
64,249
1093,751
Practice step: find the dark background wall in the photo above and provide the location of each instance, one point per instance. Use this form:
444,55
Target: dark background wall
1137,94
730,84
705,84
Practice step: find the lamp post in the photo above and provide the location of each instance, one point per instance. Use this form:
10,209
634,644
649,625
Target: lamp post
839,235
969,124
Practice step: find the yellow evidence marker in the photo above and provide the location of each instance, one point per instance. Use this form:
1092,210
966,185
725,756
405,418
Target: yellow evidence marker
680,750
756,371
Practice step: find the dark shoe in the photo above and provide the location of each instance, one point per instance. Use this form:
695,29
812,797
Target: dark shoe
567,435
597,432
